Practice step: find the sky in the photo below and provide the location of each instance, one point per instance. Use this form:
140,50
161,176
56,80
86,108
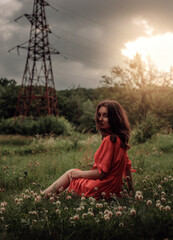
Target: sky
92,36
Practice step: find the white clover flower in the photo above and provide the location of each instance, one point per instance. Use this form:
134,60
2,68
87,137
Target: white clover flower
83,198
103,194
161,207
96,189
2,209
120,208
58,211
76,217
52,199
157,205
118,213
27,191
159,187
90,213
163,199
106,217
110,214
167,208
149,203
106,211
68,197
133,212
4,204
90,209
58,202
121,224
32,192
84,215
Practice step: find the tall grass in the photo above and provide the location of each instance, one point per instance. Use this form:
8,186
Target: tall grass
26,169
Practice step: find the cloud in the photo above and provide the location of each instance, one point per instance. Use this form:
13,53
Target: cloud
90,33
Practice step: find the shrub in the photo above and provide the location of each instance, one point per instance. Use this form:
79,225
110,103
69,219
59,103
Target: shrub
147,128
42,126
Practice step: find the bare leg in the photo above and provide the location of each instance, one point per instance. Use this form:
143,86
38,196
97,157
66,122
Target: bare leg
62,182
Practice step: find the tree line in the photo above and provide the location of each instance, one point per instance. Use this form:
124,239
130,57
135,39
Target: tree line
140,88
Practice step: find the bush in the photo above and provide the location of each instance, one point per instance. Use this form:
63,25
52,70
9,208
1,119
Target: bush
41,126
147,128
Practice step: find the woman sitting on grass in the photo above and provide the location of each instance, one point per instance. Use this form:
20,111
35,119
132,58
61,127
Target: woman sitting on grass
111,162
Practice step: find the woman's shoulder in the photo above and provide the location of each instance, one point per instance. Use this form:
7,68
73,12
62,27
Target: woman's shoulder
111,138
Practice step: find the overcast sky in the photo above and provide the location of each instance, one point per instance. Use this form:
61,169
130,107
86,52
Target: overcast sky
89,34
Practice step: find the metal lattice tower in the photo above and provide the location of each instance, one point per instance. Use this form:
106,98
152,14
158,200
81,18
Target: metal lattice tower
37,95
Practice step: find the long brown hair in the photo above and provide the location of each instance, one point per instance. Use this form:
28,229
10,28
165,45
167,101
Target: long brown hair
118,121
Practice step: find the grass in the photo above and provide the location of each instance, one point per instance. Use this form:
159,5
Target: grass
28,165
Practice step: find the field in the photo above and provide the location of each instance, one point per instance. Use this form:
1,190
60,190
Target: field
28,165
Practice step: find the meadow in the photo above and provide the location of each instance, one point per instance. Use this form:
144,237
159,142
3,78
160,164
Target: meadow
28,165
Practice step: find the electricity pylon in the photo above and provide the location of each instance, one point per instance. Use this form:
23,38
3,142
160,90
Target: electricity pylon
37,94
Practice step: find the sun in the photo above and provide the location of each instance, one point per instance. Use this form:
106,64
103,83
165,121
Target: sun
158,48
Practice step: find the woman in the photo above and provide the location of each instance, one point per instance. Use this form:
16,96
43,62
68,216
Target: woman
111,162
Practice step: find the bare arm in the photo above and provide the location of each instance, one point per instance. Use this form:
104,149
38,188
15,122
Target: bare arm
94,174
129,180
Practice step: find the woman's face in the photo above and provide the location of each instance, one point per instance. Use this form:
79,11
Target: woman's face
103,118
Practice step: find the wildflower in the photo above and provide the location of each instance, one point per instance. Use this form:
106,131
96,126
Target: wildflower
165,179
120,208
155,194
2,209
144,181
4,204
90,209
96,188
121,224
157,205
118,213
58,211
61,190
51,199
133,212
160,187
91,199
121,194
161,207
32,192
103,194
76,217
124,208
106,217
149,203
163,199
58,203
84,215
138,196
68,197
106,211
110,214
90,213
83,198
167,208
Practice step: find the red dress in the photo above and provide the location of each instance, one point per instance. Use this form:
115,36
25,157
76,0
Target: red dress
110,158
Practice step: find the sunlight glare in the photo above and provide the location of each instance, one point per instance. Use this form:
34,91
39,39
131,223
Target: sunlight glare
158,48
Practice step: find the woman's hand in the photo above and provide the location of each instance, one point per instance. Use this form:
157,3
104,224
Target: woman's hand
75,173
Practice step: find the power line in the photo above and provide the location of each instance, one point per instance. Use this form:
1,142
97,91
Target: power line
88,21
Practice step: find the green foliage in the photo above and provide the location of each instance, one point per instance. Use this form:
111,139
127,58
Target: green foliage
147,128
23,210
88,117
42,126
